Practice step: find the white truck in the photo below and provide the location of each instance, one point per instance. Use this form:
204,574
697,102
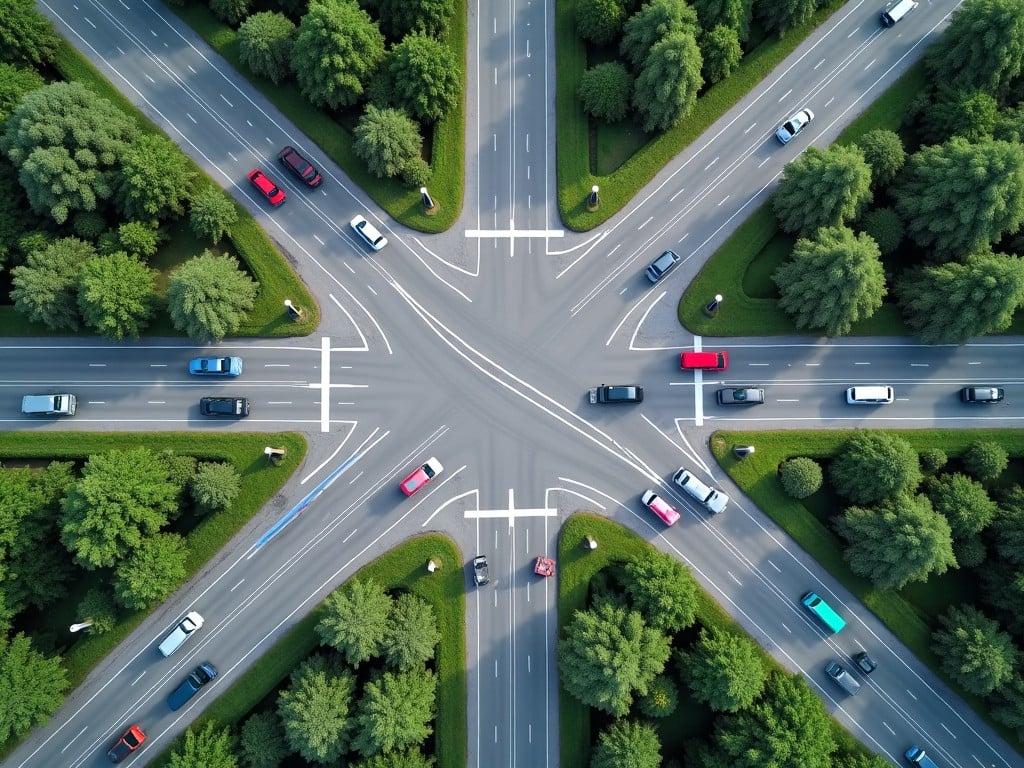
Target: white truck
49,405
192,622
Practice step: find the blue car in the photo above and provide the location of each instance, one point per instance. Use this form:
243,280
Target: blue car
215,366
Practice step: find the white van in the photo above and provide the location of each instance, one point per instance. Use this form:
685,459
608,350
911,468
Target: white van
181,633
714,501
49,405
869,395
894,14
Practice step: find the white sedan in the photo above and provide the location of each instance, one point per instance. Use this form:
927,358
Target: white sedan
369,233
794,125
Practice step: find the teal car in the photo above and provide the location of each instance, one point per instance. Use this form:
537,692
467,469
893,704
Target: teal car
215,366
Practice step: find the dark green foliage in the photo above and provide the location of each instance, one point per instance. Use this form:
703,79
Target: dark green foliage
425,77
215,486
800,477
88,225
734,14
973,651
262,741
27,38
661,699
355,620
872,465
666,85
138,239
969,552
231,12
410,758
662,590
156,180
985,459
38,680
13,219
411,633
901,540
180,469
955,112
116,295
604,91
861,761
1007,704
932,460
653,22
395,712
963,502
316,710
1003,589
724,670
884,153
782,15
151,571
15,82
400,17
387,140
211,213
822,188
722,53
599,21
46,285
627,743
205,746
209,296
1008,526
885,227
265,42
1010,125
98,607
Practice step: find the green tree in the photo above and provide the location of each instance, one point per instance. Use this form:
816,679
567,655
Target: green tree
973,651
122,498
215,486
156,180
411,633
206,746
652,23
400,17
1008,526
822,188
45,286
88,225
355,620
231,12
724,670
722,53
116,295
782,15
424,77
604,91
1006,704
151,571
666,86
13,205
983,46
99,608
662,590
901,540
316,710
387,140
262,741
395,712
15,82
957,112
39,681
734,14
963,502
985,459
932,460
860,761
627,743
834,279
661,699
265,42
180,470
800,477
884,153
27,38
211,213
788,726
884,226
409,758
337,50
958,197
599,21
872,465
209,296
608,656
66,143
137,238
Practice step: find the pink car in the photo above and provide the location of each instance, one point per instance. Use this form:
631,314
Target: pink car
421,476
660,507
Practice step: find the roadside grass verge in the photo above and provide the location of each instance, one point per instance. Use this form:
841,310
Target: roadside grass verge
909,613
575,176
402,569
447,160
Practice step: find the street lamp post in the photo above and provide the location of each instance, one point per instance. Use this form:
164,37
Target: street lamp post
429,206
295,313
711,308
593,201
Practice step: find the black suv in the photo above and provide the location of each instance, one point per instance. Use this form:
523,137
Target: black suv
235,407
480,571
300,166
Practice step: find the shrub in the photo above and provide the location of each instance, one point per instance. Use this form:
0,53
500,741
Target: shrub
985,460
800,477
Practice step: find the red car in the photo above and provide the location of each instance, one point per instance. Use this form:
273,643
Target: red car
266,187
130,741
660,507
421,476
544,566
707,361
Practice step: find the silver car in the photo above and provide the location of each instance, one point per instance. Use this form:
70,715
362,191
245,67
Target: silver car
794,125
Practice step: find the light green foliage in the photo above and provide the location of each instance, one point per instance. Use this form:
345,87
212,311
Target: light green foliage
98,607
116,295
411,633
138,239
955,112
599,21
834,279
652,23
156,180
932,460
724,670
627,744
205,746
39,681
46,285
265,42
884,153
985,459
395,712
211,213
355,620
662,590
604,91
27,37
425,77
973,650
722,53
409,758
209,296
316,710
387,140
667,84
215,486
800,477
734,14
963,502
822,188
872,465
14,84
151,571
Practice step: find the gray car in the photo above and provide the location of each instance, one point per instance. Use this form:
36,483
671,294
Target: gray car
661,266
740,396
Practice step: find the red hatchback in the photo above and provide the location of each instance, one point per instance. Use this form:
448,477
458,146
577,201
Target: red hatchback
660,507
707,361
421,476
266,187
130,741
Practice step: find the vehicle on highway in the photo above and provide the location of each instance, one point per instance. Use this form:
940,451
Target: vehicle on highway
190,686
661,266
300,167
823,611
705,361
130,741
182,632
919,757
869,395
741,396
617,393
421,476
274,194
864,662
896,11
842,678
660,507
480,572
220,407
981,394
368,232
544,566
794,125
714,501
49,405
215,366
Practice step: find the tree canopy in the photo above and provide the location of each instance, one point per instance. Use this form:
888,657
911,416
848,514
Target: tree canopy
317,710
822,188
724,670
39,682
46,285
265,42
662,590
627,743
963,502
604,91
654,21
117,295
151,572
872,465
206,746
208,297
424,77
387,140
973,650
411,633
156,180
355,620
599,21
400,17
395,712
27,38
667,84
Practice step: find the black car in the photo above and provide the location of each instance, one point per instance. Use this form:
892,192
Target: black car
234,407
617,393
981,394
741,396
481,575
864,662
190,686
303,169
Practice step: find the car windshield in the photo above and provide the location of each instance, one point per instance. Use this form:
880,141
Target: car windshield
620,393
739,394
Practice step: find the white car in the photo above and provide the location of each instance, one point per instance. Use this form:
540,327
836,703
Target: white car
182,632
369,233
794,125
